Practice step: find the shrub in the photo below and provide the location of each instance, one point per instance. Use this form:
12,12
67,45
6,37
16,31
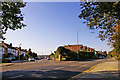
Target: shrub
5,60
118,58
25,58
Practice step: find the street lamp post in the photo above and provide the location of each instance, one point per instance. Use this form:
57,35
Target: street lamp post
19,52
77,47
78,44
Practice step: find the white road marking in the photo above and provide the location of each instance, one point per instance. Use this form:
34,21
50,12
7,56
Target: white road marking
16,76
45,70
58,68
72,65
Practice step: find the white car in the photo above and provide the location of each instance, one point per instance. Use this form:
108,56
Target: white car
31,59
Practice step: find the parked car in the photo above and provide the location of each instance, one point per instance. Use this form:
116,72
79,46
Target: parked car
36,58
11,58
39,58
100,57
31,59
48,58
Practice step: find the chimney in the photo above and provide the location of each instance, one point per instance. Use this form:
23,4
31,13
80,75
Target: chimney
11,44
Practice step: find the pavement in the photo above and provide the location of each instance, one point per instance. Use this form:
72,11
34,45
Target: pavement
12,63
107,69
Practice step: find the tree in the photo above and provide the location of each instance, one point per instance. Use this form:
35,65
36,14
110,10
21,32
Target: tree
29,53
11,16
105,53
106,18
34,55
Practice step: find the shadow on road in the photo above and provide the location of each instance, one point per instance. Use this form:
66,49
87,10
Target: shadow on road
52,74
56,75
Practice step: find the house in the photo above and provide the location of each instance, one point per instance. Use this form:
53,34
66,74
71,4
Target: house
92,50
7,49
88,49
74,47
79,48
23,51
85,48
3,48
100,52
17,50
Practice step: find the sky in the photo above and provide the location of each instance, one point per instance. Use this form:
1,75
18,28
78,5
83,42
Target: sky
53,24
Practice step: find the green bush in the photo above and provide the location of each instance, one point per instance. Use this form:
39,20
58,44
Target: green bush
25,58
118,58
72,55
86,55
5,60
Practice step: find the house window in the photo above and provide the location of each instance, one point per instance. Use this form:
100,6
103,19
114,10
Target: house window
71,48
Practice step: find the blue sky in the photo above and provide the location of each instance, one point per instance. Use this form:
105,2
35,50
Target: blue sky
52,24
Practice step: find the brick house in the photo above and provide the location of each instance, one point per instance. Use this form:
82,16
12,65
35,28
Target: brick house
85,48
74,47
79,48
88,49
92,50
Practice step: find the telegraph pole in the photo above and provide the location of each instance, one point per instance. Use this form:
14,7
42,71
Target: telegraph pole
77,46
77,41
19,52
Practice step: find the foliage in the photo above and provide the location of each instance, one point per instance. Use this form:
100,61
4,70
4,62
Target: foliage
31,54
34,55
52,55
21,56
98,54
112,53
82,50
72,55
106,18
5,60
86,55
118,58
104,54
25,58
11,16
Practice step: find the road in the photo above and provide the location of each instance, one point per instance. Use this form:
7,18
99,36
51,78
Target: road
47,69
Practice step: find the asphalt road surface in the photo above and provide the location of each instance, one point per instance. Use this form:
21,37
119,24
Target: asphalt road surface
47,69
